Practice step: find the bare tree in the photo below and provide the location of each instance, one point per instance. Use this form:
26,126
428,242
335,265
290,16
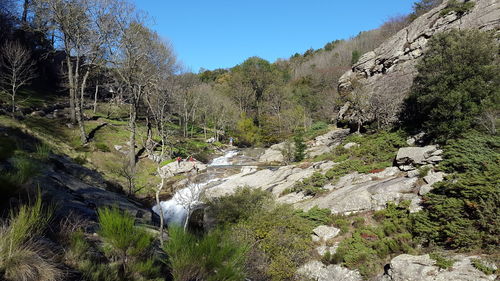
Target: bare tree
18,69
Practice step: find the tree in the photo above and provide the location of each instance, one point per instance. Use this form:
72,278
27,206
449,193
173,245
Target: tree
459,77
18,69
300,146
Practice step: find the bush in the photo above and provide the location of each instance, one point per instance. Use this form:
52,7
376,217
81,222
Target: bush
317,216
22,256
124,241
370,247
280,239
212,257
309,186
460,8
458,80
482,267
462,212
300,147
441,261
238,206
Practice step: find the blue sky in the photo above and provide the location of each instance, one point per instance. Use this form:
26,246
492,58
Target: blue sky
222,33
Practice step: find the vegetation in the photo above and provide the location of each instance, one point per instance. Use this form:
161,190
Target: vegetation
457,87
23,256
482,267
462,212
441,261
213,257
459,8
369,247
124,242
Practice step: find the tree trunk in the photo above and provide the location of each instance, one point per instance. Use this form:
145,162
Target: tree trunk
25,11
95,97
132,119
79,110
71,85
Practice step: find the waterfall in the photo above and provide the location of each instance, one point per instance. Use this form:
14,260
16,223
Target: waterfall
176,209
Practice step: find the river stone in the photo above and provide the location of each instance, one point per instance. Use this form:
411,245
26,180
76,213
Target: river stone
434,177
315,270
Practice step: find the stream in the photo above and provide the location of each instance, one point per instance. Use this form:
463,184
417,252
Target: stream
176,209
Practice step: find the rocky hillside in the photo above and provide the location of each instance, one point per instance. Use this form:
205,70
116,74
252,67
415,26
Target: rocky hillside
376,85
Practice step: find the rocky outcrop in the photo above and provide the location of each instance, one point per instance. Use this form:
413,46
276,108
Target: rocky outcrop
315,270
384,76
423,268
182,167
408,157
81,191
325,143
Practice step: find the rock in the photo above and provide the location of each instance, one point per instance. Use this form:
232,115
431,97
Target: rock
434,177
321,250
414,155
273,154
293,198
210,140
315,270
81,191
421,268
359,193
325,233
118,147
434,159
424,189
416,139
412,173
325,143
175,168
437,152
38,113
350,144
387,73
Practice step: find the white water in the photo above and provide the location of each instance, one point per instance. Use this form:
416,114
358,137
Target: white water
176,209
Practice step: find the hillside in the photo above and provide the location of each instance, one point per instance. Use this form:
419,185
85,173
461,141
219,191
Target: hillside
374,158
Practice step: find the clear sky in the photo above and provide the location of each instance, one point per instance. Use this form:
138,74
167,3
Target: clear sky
222,33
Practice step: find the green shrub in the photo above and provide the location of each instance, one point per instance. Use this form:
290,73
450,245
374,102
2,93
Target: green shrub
458,80
300,146
458,7
342,223
22,256
212,257
441,262
43,151
102,147
424,171
482,267
238,206
462,211
280,239
310,186
317,216
370,247
124,241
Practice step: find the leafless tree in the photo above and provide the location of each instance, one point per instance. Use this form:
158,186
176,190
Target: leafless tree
18,69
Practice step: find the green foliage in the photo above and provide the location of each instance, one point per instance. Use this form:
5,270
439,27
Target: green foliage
355,57
342,223
300,146
213,257
310,186
460,8
238,206
281,242
441,262
424,171
458,80
482,267
123,240
248,133
23,169
317,216
463,211
22,257
102,147
370,247
42,151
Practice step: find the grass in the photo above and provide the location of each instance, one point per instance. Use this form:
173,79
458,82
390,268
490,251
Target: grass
478,264
441,261
22,257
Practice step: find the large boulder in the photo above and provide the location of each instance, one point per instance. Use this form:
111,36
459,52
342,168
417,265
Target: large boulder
182,167
384,76
422,268
324,233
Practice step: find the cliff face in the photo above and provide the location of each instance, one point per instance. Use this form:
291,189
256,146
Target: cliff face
376,86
